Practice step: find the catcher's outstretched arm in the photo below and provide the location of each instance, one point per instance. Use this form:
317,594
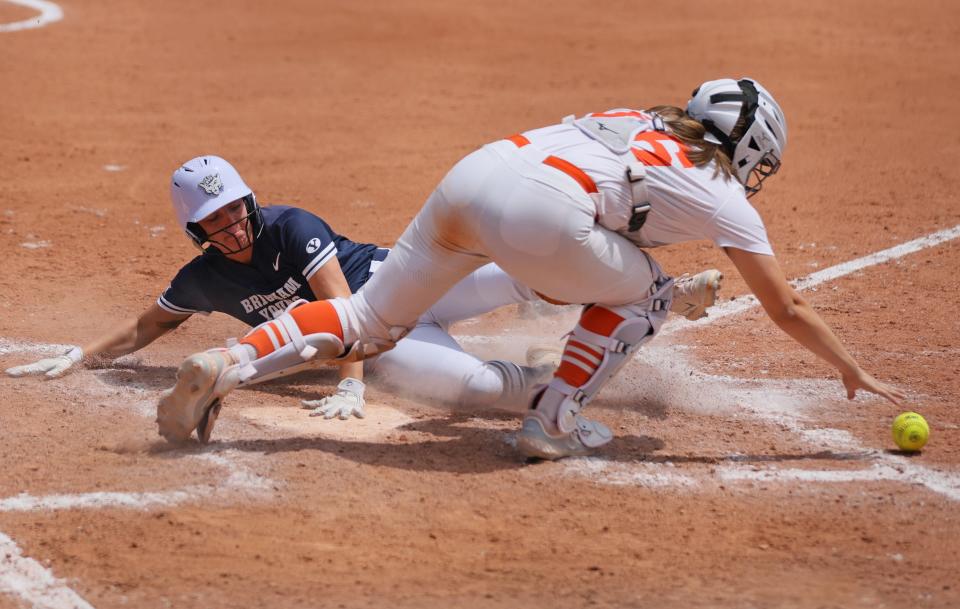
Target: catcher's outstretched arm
796,317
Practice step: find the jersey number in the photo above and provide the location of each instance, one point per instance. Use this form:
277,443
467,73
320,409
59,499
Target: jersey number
655,149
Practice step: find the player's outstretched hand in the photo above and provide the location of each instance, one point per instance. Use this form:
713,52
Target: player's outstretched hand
348,400
50,367
862,380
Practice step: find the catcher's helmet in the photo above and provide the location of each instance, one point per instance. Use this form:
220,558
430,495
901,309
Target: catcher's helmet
203,185
720,104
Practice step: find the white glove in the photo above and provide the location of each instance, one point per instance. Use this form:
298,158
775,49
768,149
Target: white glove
348,400
52,367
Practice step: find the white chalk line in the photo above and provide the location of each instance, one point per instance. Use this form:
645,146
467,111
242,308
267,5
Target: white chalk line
239,479
49,13
27,579
940,482
742,304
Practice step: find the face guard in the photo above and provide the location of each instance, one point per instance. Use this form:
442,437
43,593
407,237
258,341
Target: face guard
766,167
224,241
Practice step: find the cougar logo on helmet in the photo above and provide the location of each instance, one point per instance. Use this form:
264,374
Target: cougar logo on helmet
746,122
212,185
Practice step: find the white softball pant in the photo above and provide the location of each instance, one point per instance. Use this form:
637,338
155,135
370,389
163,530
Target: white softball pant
429,364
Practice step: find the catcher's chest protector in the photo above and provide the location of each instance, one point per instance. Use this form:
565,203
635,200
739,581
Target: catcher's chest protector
619,131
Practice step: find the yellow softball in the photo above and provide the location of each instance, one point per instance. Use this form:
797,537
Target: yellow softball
910,431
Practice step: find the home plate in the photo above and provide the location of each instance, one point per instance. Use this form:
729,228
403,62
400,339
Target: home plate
379,421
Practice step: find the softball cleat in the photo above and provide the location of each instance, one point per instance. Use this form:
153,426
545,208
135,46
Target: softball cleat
535,442
194,403
692,296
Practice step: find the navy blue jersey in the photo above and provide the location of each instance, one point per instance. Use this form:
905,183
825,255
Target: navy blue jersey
293,246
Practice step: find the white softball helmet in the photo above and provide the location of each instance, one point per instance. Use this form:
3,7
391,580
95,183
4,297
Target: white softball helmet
720,104
203,185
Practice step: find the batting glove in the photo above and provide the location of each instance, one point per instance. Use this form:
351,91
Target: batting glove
50,367
348,400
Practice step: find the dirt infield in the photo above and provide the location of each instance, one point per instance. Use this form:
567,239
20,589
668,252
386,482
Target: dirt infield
740,476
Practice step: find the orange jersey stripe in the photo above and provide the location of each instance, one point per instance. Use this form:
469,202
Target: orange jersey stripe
617,114
585,181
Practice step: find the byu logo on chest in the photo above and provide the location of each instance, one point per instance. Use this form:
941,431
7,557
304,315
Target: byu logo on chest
212,185
313,245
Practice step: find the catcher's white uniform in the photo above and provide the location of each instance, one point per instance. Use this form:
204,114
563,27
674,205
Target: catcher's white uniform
503,203
558,209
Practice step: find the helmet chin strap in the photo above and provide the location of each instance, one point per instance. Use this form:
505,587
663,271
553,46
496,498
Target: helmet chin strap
220,247
254,228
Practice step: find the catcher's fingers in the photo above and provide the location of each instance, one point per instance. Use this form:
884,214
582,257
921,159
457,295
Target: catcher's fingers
868,383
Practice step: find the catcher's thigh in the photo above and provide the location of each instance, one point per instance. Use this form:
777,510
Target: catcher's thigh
538,225
484,290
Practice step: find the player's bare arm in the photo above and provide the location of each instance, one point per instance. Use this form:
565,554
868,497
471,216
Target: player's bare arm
128,337
794,315
135,334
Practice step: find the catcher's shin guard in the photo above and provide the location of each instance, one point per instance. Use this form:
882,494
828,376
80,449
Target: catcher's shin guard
599,346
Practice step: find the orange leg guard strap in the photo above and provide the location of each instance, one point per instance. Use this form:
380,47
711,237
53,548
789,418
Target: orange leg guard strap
310,318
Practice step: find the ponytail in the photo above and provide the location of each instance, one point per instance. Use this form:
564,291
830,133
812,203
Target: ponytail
691,132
